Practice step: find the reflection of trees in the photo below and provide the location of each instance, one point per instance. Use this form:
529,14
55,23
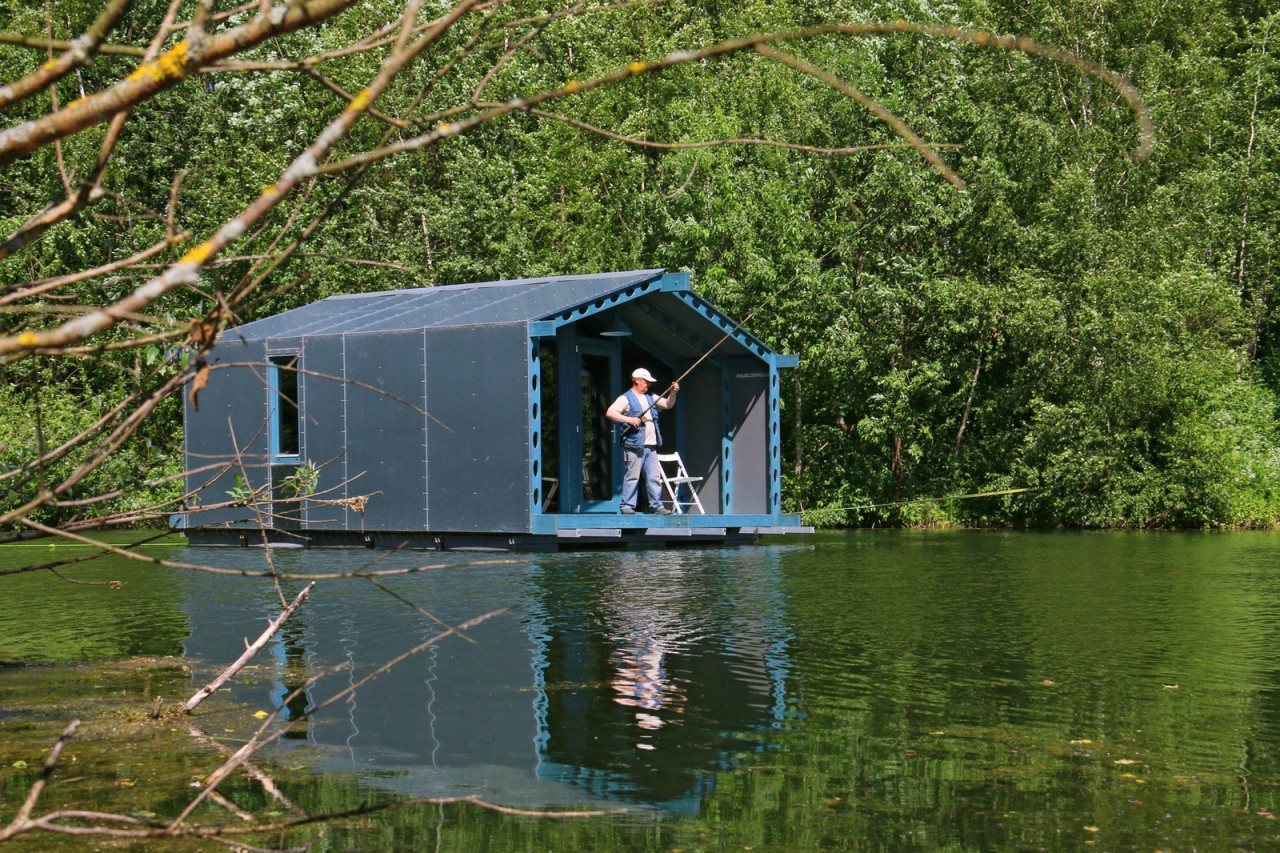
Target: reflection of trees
651,680
985,692
145,612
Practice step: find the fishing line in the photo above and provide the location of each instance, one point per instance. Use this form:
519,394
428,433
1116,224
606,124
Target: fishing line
776,293
943,499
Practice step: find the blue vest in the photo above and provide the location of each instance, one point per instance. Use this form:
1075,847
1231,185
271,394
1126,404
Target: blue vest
633,437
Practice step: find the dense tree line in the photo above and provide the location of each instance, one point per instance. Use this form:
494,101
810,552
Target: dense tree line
1094,330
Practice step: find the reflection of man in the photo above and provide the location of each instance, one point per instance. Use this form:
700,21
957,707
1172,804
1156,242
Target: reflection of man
642,682
641,438
644,616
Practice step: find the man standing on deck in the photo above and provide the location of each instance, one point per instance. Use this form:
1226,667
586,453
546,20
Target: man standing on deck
640,439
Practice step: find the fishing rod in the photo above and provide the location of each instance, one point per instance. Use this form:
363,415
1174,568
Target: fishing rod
727,335
705,355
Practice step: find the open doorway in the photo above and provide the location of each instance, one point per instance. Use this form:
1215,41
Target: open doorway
579,459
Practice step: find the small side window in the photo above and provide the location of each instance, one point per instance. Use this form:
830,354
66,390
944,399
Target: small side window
286,423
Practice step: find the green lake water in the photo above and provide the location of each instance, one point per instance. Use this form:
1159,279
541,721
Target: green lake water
852,691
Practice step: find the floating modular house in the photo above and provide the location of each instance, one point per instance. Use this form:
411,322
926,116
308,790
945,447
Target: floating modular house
472,416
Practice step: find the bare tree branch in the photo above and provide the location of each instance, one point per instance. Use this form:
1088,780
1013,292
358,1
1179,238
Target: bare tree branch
79,53
44,286
90,190
303,167
155,76
56,44
22,820
899,126
732,140
724,48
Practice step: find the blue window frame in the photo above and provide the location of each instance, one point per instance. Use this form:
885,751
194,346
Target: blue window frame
284,416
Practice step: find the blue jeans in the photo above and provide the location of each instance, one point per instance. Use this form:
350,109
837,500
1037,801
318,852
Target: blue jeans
641,464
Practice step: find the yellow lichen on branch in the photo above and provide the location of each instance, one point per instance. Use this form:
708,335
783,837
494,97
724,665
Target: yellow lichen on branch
360,101
198,255
173,65
178,64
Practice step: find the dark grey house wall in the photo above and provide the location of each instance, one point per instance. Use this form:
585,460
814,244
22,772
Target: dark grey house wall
748,404
479,431
324,396
385,448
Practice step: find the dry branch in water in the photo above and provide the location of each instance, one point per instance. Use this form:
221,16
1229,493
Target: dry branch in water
256,646
109,825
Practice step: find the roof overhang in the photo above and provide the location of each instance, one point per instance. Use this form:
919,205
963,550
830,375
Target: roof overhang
664,310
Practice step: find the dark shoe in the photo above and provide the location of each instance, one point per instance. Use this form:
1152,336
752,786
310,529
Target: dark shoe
626,510
662,511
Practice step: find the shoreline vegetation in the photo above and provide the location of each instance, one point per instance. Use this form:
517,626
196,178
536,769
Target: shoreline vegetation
1042,267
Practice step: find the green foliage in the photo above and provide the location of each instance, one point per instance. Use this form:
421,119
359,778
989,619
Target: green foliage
240,493
1103,330
1102,323
43,410
301,482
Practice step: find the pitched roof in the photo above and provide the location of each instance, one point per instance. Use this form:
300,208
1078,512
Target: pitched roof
451,305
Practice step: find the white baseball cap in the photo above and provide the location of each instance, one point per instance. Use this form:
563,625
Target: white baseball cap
641,373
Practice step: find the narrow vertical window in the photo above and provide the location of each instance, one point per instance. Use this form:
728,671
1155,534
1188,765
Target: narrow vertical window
285,420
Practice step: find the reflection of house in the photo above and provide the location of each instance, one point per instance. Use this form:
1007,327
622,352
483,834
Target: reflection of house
472,415
536,708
